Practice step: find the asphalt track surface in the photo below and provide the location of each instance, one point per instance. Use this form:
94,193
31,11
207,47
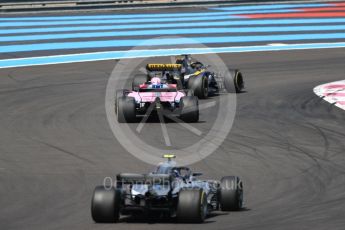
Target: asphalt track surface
286,144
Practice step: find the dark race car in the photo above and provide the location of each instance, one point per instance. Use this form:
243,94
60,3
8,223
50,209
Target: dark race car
204,82
194,75
172,191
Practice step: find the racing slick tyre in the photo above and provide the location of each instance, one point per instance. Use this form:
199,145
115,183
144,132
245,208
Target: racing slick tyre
233,82
105,205
199,84
190,109
138,80
126,111
118,94
189,92
231,193
191,206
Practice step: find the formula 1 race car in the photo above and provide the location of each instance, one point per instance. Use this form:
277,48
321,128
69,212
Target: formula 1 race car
168,73
155,96
171,191
194,75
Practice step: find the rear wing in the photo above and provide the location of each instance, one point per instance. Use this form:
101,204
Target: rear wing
130,178
163,67
142,179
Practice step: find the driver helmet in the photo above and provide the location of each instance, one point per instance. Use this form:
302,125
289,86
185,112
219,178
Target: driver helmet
156,81
176,173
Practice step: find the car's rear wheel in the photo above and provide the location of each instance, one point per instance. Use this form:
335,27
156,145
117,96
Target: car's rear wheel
105,205
126,111
199,84
192,206
231,193
233,81
189,109
138,80
118,94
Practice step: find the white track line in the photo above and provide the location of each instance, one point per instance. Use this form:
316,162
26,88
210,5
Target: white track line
113,55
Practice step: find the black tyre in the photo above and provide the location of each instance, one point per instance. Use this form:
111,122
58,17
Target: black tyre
105,205
189,92
192,206
233,82
118,94
126,111
138,80
189,109
199,84
231,193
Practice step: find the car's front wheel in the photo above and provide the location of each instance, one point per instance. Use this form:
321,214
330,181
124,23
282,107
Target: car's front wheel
233,81
138,80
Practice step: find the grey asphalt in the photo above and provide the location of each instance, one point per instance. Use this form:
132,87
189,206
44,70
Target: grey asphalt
286,144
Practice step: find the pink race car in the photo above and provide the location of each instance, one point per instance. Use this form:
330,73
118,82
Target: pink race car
158,97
